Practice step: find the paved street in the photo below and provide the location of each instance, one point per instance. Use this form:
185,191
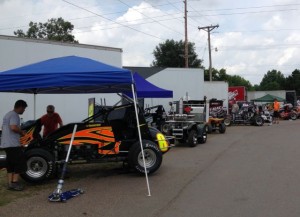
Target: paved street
247,172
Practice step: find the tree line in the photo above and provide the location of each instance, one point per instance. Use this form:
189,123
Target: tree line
169,54
272,80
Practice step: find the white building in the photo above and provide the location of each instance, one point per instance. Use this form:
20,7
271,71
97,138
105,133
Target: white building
288,95
184,82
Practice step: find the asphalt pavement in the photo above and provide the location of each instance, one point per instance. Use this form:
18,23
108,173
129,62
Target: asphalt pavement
247,172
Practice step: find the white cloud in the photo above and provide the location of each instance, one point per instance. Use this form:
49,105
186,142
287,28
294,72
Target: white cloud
273,23
287,55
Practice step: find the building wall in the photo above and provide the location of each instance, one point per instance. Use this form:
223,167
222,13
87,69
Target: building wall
218,90
288,95
16,52
256,94
186,83
183,82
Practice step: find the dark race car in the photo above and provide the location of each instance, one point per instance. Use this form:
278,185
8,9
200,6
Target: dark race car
111,135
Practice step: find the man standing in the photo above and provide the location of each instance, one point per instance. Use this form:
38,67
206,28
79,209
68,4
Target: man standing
10,142
50,121
276,107
234,110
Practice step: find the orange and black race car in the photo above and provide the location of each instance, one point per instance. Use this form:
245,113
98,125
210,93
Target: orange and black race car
109,135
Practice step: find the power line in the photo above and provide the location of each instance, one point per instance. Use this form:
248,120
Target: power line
254,7
255,47
112,20
243,13
259,30
208,29
110,26
173,5
151,18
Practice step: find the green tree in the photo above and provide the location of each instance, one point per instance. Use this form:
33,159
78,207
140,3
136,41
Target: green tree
171,54
273,80
236,80
293,82
233,80
217,75
54,29
256,87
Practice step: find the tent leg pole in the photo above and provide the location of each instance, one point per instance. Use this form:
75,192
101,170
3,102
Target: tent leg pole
140,137
34,106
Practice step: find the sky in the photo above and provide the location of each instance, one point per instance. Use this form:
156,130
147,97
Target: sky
253,37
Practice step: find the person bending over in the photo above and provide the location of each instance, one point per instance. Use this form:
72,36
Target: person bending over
51,121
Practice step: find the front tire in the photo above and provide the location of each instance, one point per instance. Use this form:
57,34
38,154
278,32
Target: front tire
153,157
222,128
192,138
40,165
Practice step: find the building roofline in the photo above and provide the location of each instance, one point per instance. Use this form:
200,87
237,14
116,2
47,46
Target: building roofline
68,44
145,71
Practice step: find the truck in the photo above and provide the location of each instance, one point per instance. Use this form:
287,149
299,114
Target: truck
185,122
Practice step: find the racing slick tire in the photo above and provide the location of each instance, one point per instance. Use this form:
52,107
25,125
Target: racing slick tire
40,165
152,154
222,128
259,121
192,138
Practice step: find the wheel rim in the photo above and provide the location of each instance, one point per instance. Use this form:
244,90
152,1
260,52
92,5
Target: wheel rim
259,121
36,167
195,139
227,122
293,116
150,158
165,128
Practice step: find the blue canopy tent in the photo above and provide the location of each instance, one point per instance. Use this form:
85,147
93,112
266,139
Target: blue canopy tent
70,74
145,89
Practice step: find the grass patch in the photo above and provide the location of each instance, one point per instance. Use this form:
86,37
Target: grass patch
8,196
77,172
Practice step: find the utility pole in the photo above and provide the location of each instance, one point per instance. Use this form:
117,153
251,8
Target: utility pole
208,29
186,48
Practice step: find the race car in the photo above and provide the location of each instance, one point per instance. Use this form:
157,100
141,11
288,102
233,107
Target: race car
111,135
